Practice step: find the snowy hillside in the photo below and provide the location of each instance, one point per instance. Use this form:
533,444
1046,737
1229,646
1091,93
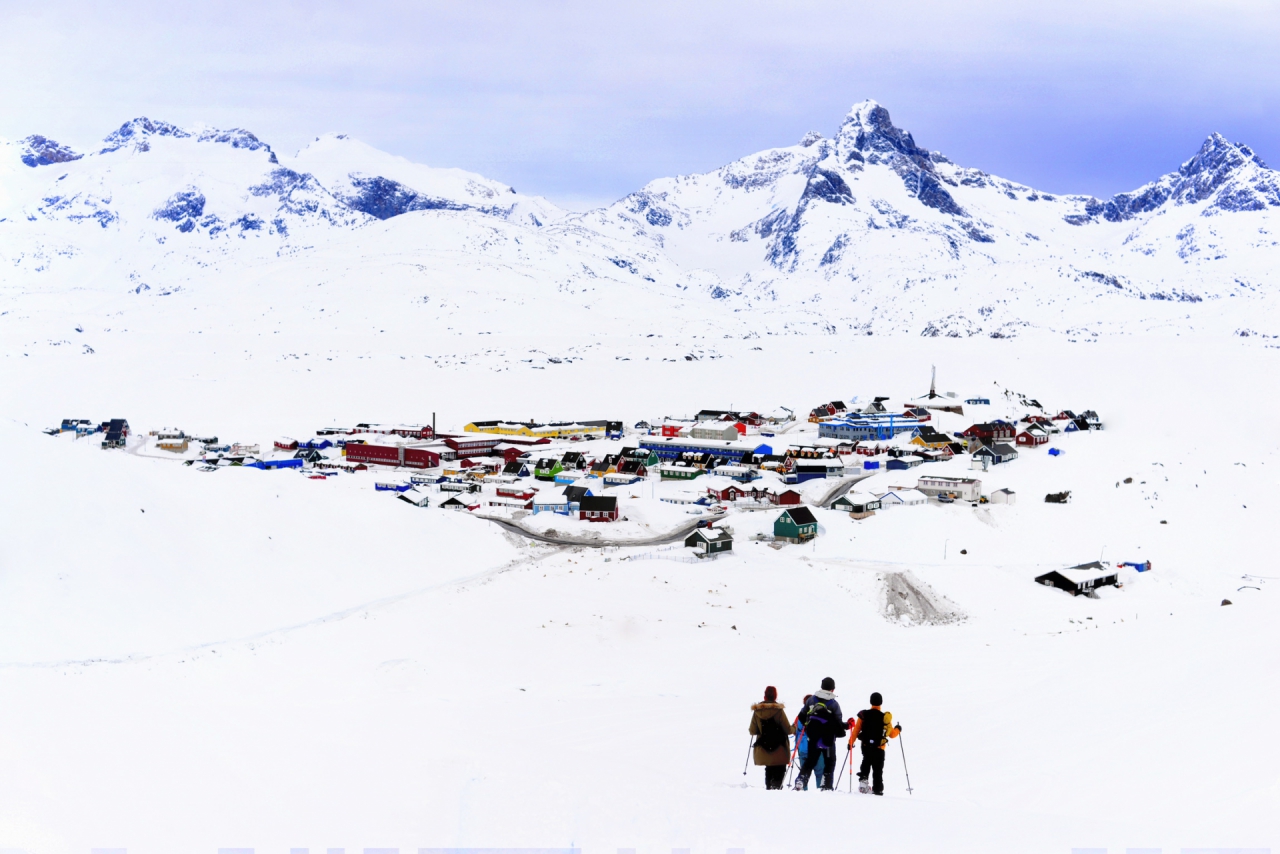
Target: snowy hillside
202,657
862,233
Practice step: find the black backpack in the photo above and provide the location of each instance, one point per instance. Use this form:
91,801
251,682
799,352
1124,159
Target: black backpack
872,731
772,735
819,722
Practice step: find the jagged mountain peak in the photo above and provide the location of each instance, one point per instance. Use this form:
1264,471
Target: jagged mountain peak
137,132
869,132
1217,153
38,150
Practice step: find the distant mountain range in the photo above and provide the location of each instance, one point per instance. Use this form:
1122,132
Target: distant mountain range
862,233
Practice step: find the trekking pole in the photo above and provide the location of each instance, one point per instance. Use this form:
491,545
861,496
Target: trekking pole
847,754
904,764
792,765
748,762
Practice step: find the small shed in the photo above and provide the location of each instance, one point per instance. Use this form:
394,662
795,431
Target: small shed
1003,496
709,541
795,525
788,497
1084,579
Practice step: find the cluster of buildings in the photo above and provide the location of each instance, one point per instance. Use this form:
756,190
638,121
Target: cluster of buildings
718,459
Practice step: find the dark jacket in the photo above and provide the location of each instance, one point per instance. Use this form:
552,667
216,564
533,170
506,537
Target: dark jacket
762,712
822,719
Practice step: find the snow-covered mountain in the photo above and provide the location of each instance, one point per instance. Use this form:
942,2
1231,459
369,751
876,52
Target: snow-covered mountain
871,225
865,232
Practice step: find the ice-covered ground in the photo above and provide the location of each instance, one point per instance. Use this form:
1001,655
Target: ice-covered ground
193,661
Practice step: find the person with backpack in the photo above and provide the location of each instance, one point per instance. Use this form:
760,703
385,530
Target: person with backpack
872,729
823,724
802,743
771,728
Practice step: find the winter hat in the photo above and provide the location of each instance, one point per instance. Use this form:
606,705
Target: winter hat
770,694
876,699
828,684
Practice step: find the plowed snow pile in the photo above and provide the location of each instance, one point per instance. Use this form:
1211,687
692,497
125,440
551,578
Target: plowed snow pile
908,600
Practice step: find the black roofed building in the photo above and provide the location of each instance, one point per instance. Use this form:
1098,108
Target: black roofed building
1083,579
598,509
710,541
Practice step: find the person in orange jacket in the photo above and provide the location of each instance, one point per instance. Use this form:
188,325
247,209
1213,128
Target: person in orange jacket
872,728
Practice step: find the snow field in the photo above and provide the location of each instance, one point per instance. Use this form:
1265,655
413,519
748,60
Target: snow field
332,667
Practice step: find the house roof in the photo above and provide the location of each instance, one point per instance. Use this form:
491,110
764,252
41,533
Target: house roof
598,503
713,535
801,515
1091,571
1006,450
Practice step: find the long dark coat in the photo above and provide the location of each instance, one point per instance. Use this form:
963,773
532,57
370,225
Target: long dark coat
777,711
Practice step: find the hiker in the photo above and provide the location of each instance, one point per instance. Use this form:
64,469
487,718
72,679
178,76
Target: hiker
771,728
823,724
802,743
872,729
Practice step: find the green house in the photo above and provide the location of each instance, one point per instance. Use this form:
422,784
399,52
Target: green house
547,469
709,541
646,456
672,472
795,525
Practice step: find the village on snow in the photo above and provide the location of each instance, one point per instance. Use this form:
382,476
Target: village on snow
551,481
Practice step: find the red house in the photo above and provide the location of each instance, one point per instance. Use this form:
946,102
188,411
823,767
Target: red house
994,431
1025,438
392,455
598,508
790,496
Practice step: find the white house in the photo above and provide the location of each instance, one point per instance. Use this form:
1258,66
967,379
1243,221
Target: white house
901,498
967,488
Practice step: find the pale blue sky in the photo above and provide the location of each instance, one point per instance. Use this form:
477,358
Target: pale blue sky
584,102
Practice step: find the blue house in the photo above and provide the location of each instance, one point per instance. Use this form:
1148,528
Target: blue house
275,464
978,401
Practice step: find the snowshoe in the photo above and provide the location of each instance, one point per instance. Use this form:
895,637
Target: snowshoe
864,786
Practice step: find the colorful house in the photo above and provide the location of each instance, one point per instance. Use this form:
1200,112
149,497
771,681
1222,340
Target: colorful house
795,525
671,471
598,508
547,469
1028,438
709,541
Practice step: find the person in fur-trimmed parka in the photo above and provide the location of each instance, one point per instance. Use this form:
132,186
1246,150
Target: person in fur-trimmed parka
773,747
